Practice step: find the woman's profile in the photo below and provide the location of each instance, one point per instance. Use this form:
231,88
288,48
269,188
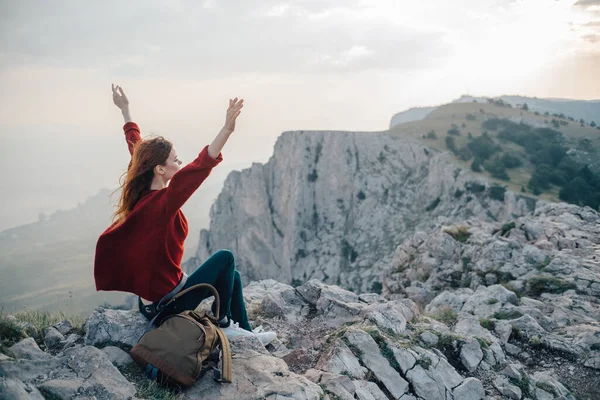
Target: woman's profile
141,251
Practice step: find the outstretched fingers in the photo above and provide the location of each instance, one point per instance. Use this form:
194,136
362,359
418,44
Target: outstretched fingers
122,92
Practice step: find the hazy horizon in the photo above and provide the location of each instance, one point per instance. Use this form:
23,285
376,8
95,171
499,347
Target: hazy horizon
299,65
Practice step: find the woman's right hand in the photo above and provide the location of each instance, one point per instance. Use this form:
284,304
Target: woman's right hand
119,97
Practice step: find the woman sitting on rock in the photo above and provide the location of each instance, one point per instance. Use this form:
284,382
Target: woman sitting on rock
142,250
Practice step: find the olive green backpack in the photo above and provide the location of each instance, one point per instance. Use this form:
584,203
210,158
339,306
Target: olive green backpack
185,346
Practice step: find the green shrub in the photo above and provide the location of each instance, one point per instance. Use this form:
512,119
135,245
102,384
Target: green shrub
446,315
507,314
483,147
487,324
497,192
477,165
543,284
496,167
464,153
507,228
511,160
450,143
474,187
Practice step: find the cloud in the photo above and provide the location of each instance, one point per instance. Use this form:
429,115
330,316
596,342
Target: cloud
210,38
585,3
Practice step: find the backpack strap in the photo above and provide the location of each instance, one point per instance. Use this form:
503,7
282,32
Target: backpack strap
177,295
165,300
226,373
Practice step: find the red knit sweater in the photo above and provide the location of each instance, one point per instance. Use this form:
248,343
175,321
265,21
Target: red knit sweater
143,254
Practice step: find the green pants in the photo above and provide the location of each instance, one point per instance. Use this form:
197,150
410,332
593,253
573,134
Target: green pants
218,271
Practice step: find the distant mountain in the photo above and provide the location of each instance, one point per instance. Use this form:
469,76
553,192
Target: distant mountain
49,264
588,110
552,156
410,115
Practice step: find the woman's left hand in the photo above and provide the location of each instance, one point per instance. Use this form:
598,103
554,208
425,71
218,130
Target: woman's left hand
235,107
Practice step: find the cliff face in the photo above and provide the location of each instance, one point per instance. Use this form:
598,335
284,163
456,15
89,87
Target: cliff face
334,206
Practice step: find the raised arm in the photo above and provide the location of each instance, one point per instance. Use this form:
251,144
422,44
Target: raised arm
185,182
132,131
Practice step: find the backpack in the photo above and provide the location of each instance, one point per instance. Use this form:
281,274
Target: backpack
185,346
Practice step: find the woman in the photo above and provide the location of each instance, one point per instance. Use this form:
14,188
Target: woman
141,251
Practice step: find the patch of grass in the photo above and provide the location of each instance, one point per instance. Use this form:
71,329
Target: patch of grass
346,373
146,388
543,284
384,349
546,387
483,343
151,390
43,319
487,324
492,301
35,322
355,350
446,315
544,263
10,332
450,344
507,314
513,289
523,384
460,233
424,362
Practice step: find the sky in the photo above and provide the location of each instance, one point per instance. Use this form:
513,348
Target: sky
299,65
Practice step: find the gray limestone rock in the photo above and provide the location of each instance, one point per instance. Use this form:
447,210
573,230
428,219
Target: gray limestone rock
372,359
471,354
52,338
14,389
114,327
118,357
28,349
469,389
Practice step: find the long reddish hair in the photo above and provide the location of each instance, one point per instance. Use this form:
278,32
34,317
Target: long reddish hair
147,154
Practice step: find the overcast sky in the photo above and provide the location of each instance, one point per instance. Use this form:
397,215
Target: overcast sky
305,64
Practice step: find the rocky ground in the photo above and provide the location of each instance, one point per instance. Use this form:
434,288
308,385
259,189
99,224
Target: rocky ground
471,311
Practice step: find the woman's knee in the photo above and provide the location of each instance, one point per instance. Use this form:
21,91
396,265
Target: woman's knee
225,255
